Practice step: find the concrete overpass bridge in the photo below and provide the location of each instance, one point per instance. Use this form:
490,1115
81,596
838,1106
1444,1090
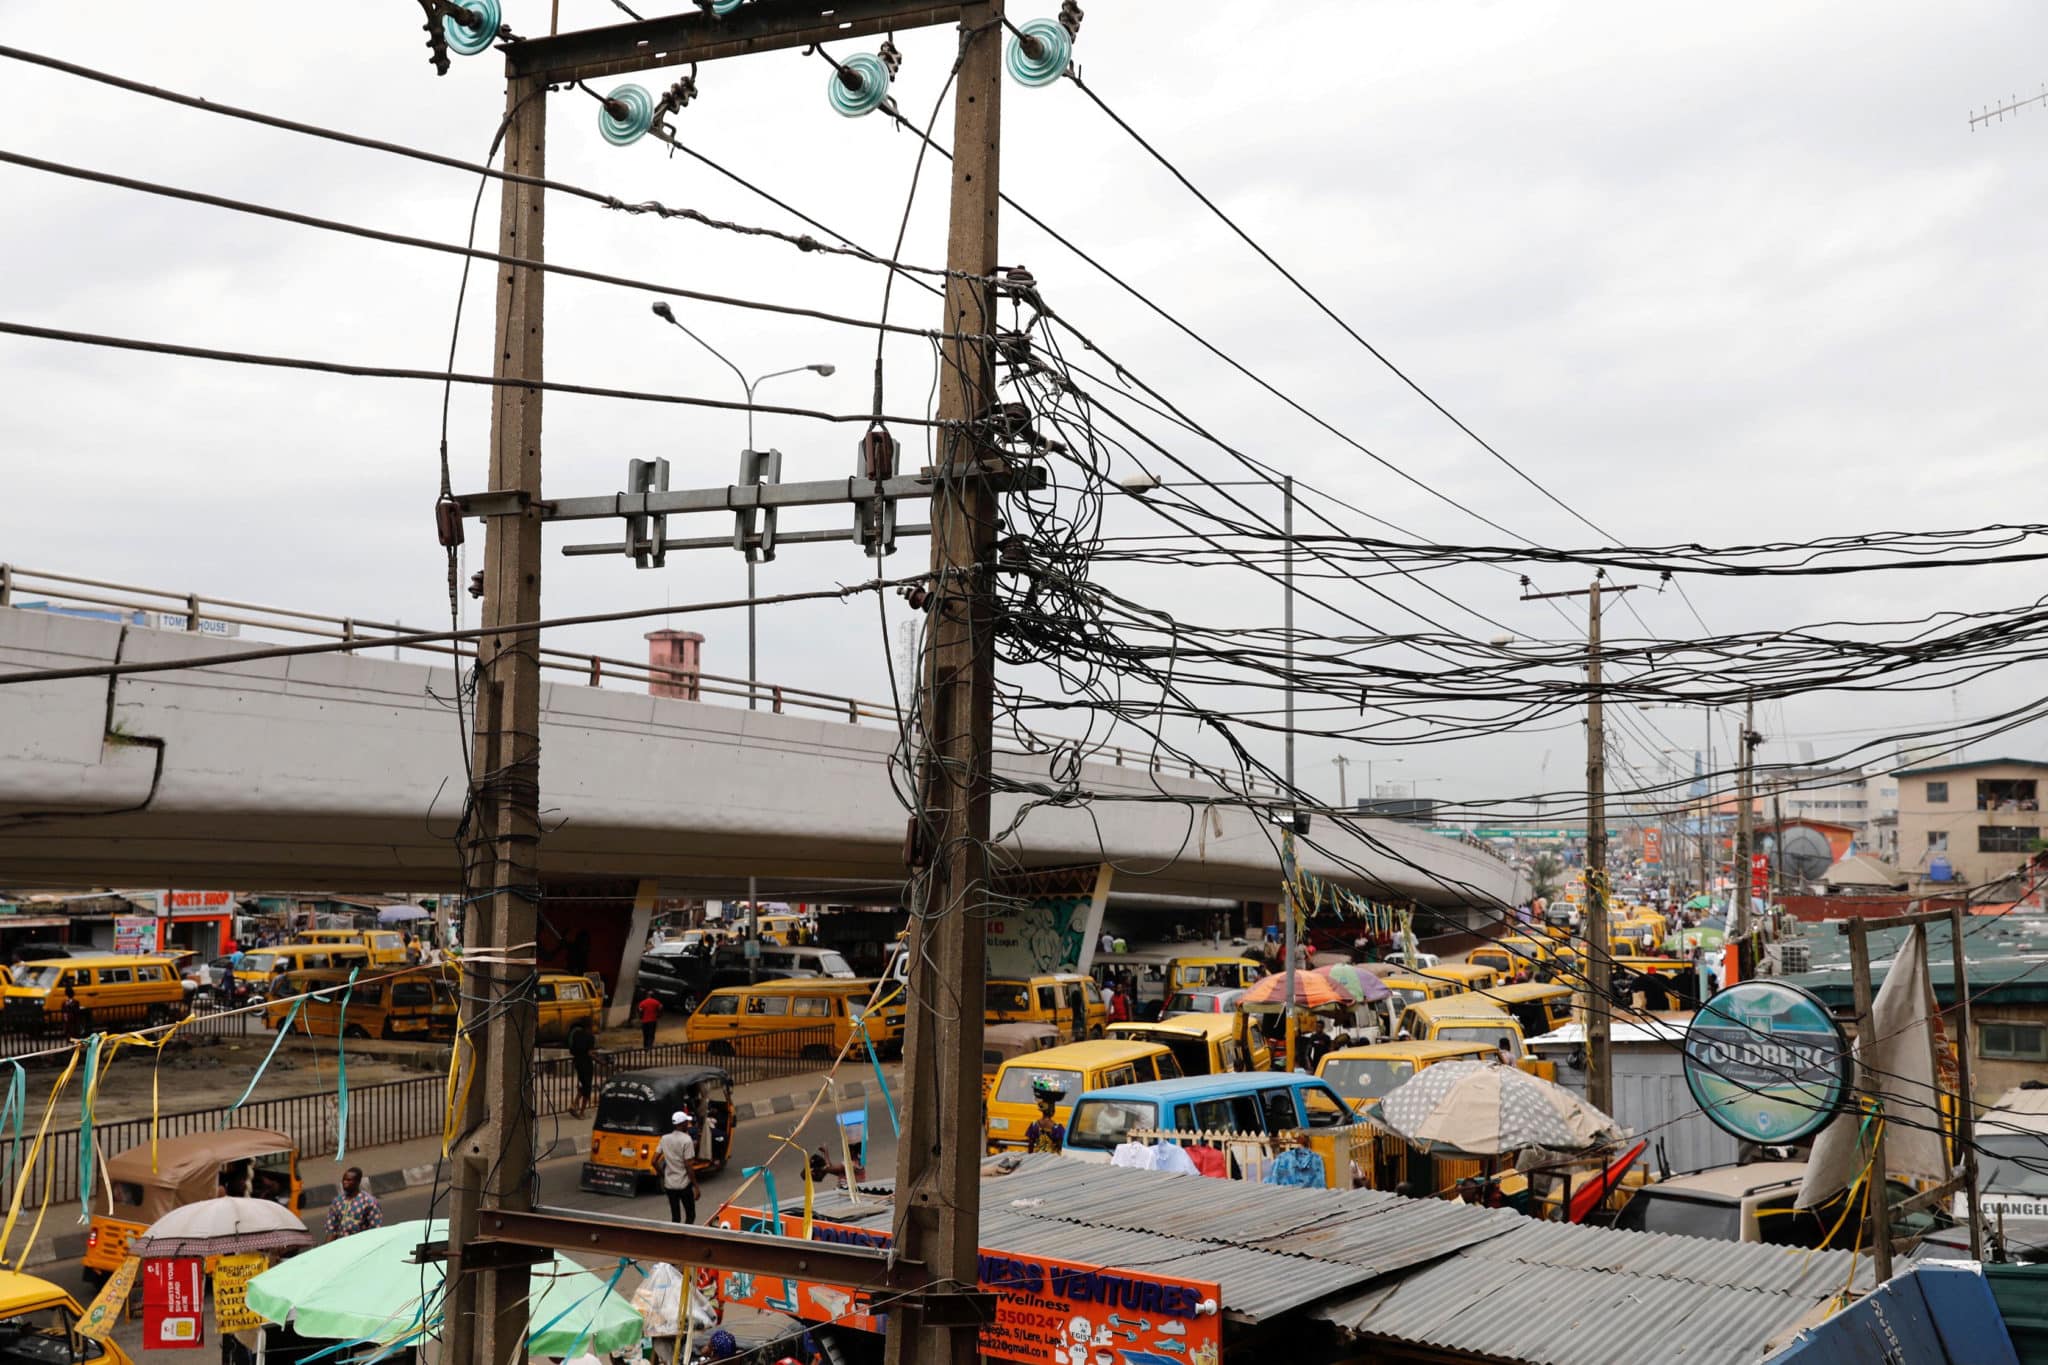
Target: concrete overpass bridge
346,771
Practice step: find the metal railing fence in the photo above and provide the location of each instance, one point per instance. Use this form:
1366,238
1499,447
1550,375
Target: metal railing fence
396,1111
192,612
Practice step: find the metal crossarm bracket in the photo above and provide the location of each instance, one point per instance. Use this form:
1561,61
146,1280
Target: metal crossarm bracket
753,526
746,501
496,503
874,521
647,532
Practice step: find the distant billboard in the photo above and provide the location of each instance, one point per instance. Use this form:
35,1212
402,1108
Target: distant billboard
152,620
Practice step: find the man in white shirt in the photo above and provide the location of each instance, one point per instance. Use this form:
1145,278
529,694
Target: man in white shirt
676,1151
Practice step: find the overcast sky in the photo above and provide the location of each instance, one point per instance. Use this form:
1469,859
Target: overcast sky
1722,274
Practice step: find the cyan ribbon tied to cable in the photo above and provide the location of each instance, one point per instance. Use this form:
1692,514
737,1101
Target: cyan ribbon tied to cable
341,1071
284,1027
11,1114
875,1060
774,1204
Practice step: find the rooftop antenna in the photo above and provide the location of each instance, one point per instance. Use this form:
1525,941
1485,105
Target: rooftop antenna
1997,113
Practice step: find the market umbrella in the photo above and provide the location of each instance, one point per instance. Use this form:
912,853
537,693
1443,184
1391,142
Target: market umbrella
222,1227
1362,986
401,914
364,1288
1700,902
1685,940
1312,991
1488,1109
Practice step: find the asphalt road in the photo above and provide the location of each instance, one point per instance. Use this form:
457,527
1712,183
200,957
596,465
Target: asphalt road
754,1144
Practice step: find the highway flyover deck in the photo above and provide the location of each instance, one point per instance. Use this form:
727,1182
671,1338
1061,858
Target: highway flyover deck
341,771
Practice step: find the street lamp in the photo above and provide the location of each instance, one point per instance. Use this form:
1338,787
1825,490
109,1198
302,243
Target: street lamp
1372,793
666,314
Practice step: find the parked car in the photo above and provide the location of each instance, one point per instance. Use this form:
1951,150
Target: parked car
1754,1203
1206,1000
780,962
677,986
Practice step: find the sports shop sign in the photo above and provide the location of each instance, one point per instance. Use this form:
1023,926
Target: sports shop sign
1048,1312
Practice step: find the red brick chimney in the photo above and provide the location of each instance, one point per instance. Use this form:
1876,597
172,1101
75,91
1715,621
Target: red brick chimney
674,659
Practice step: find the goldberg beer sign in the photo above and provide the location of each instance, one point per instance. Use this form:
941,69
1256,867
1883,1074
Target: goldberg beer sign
1767,1062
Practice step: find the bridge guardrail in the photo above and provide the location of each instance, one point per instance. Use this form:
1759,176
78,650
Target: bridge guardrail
192,611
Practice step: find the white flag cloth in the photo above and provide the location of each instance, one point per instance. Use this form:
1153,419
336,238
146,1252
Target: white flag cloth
1894,1061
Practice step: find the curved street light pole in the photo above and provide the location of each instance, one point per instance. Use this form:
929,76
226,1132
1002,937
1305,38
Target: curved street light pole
667,314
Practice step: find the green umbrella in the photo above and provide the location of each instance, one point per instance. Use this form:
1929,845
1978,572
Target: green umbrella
363,1288
1685,940
1700,902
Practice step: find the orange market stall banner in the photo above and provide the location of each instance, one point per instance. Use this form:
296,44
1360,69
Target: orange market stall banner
1048,1312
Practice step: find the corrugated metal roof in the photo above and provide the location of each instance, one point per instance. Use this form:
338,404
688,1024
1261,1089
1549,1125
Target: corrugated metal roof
1408,1269
1549,1292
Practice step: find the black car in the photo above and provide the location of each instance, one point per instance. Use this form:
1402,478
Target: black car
679,990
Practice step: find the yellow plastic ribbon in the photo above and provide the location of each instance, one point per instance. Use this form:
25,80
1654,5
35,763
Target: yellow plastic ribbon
456,1102
810,1198
35,1152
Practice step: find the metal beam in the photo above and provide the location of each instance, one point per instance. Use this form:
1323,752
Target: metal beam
694,36
734,497
855,1267
782,538
1899,921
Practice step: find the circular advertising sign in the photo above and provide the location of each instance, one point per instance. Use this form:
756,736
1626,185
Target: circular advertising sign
1767,1062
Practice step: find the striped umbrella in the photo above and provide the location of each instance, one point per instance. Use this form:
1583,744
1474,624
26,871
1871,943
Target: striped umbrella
1312,991
1362,986
1489,1109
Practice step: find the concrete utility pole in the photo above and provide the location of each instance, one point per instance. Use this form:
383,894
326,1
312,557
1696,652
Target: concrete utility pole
487,1308
938,1165
1343,797
1745,822
1599,951
931,1276
1287,906
1599,1019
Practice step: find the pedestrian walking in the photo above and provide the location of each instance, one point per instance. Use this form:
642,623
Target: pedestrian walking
1119,1004
73,1013
675,1152
583,1061
355,1209
650,1015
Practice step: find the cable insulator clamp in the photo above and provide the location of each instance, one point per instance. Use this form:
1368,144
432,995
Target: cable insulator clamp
476,36
626,115
859,85
1040,53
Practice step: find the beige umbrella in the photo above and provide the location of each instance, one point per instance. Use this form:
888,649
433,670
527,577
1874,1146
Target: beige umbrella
223,1226
1490,1108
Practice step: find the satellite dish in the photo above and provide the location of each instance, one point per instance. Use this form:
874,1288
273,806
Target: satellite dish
1806,852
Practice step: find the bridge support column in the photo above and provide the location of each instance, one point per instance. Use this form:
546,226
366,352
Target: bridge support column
598,927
